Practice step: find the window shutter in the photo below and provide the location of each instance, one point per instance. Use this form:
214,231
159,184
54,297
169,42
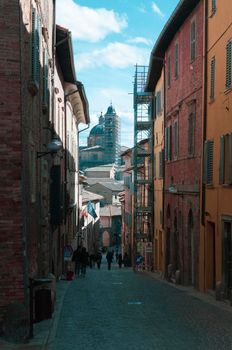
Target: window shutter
190,134
160,164
208,162
155,165
170,142
175,140
228,64
213,6
45,79
35,64
222,160
158,102
212,78
230,159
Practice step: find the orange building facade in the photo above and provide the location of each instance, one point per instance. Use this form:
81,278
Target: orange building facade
215,268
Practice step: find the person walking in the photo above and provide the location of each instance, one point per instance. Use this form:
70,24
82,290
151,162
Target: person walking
77,259
120,260
98,260
109,258
84,261
126,260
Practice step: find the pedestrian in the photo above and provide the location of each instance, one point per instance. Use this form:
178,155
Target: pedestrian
109,258
120,260
98,260
77,259
84,261
126,260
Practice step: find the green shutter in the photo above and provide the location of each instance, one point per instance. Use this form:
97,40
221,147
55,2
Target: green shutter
213,5
176,60
193,40
175,139
212,78
228,64
208,162
222,161
45,79
169,71
205,162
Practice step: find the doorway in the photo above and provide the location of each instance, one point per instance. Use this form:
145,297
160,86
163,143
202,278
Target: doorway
227,258
210,273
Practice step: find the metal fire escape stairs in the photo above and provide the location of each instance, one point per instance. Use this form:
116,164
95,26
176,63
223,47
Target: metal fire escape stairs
142,159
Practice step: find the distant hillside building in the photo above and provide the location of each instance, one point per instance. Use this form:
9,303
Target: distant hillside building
103,144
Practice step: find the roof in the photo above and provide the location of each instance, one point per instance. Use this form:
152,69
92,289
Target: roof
111,110
127,151
178,17
94,180
90,196
64,52
113,186
97,130
111,210
103,167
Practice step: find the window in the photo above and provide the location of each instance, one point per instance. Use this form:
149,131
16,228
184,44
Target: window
158,102
190,133
225,169
213,6
212,78
193,41
161,163
45,78
208,162
169,71
168,143
175,139
35,47
176,60
228,64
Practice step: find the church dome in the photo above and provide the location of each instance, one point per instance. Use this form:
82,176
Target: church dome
111,110
97,130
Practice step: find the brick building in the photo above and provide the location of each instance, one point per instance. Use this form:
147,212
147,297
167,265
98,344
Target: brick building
180,48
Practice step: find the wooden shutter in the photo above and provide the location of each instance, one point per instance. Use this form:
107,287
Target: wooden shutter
222,160
228,64
212,78
213,6
45,79
208,162
190,133
35,64
175,139
160,165
158,102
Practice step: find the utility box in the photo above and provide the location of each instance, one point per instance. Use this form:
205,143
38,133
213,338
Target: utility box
43,304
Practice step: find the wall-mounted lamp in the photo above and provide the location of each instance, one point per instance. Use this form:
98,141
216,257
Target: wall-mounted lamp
53,146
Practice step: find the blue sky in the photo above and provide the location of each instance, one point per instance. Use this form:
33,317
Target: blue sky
109,38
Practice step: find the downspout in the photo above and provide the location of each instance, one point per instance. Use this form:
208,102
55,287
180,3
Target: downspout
204,127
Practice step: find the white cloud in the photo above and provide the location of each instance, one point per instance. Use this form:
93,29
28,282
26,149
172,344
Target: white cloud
140,40
89,24
115,55
142,9
157,10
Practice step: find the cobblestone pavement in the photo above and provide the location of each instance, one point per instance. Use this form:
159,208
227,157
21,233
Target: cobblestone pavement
120,309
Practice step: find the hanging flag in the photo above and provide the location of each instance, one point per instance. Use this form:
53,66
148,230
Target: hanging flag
91,210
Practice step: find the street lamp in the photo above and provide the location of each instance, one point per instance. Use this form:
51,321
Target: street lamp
53,146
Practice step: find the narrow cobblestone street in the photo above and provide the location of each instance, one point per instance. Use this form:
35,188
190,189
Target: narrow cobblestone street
120,309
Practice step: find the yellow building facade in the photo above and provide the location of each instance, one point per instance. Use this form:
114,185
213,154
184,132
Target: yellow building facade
215,272
158,176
